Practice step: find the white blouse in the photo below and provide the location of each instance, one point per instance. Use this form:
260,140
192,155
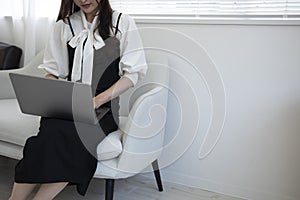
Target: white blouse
132,58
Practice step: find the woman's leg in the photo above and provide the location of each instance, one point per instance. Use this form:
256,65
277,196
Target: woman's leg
49,191
21,191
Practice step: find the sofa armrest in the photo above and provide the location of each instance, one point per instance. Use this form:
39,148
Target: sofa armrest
110,147
6,88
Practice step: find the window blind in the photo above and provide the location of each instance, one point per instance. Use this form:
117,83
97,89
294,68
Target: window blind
282,8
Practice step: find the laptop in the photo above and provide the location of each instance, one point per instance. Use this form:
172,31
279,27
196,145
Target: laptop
55,98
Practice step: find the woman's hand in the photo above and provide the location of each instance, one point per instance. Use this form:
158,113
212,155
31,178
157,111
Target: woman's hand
98,101
96,105
51,76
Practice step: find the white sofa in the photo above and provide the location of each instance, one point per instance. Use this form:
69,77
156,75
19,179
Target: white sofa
16,127
127,151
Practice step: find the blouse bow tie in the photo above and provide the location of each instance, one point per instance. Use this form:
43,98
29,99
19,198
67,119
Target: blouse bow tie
85,42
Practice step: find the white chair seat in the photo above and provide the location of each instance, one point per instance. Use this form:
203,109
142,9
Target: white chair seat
108,170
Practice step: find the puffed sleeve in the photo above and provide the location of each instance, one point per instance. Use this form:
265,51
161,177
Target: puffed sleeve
56,53
132,62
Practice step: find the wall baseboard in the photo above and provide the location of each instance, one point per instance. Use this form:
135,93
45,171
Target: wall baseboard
221,188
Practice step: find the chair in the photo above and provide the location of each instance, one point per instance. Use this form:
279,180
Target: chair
142,130
141,143
10,56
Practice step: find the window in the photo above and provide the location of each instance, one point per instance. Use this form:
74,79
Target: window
202,8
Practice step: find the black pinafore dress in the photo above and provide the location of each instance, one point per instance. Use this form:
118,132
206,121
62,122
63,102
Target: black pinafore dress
57,153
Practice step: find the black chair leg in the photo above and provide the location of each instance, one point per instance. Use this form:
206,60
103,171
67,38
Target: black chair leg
109,189
157,175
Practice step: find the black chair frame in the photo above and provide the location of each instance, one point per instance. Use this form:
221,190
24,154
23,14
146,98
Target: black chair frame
110,183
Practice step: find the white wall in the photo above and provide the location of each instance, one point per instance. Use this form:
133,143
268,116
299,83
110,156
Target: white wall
257,156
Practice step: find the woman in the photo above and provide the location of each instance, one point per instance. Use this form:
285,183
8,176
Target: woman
91,44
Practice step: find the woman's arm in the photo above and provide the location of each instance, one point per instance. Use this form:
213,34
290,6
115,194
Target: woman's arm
132,64
114,91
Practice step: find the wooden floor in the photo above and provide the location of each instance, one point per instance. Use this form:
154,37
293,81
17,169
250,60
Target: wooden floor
135,188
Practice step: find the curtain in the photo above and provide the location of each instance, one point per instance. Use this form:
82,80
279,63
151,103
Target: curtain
26,24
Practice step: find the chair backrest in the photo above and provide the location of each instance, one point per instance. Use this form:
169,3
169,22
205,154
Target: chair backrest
145,129
7,91
157,75
10,56
31,68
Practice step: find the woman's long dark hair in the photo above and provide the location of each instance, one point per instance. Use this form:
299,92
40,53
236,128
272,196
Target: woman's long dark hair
68,7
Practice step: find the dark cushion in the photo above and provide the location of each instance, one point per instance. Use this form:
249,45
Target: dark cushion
10,56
